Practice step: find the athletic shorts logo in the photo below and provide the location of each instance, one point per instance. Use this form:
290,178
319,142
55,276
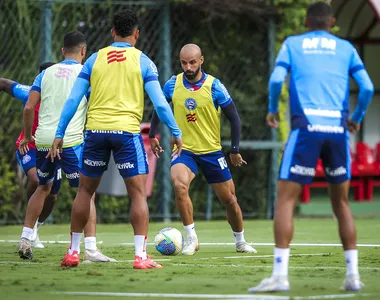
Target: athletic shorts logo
59,174
72,175
190,104
124,166
222,162
26,159
108,131
336,172
303,171
95,163
42,174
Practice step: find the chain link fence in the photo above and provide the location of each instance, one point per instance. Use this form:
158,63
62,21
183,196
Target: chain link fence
235,46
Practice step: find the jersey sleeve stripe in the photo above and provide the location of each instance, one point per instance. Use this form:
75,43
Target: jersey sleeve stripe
284,65
84,76
36,88
356,68
150,78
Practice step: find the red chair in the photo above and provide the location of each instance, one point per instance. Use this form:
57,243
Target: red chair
365,159
372,181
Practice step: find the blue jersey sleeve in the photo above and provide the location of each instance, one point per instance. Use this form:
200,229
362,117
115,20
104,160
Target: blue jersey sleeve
169,88
283,57
87,68
20,92
37,82
366,90
149,70
220,94
356,64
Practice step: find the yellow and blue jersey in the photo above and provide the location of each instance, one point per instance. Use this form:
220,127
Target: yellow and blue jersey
197,110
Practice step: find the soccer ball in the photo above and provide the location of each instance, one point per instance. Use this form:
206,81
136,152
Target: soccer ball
169,241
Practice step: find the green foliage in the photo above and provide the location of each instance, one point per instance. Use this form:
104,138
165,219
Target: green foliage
7,188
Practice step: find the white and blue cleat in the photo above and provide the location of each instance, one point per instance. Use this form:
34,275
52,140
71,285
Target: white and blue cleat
272,284
352,283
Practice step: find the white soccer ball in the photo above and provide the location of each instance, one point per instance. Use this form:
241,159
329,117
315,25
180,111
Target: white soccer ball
169,241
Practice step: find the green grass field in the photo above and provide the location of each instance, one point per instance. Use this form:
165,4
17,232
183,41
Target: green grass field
315,270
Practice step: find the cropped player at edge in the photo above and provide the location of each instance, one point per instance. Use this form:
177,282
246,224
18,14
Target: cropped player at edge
198,99
320,66
118,75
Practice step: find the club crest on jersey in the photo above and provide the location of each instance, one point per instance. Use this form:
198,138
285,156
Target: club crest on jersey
26,159
190,104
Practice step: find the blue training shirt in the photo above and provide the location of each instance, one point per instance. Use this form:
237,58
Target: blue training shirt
20,92
219,93
320,66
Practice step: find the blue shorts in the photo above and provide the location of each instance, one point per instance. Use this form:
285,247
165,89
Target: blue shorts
128,152
213,165
303,150
28,161
47,170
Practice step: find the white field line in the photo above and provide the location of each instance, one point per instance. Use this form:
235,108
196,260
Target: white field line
211,296
214,244
266,266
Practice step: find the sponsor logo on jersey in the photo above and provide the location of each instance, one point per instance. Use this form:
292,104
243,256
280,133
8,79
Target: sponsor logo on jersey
325,128
116,56
63,72
191,117
303,171
322,112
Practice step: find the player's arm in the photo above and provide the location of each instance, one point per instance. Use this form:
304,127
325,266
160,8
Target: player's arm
276,81
366,88
222,98
6,85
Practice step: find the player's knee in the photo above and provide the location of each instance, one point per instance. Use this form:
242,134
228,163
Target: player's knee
45,189
180,188
229,199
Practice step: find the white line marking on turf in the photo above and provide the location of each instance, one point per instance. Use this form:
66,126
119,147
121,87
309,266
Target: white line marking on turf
212,244
209,296
261,256
266,266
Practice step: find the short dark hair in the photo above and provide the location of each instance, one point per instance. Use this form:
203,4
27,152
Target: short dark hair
73,40
124,22
46,65
318,15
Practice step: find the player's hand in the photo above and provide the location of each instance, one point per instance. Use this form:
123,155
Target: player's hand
179,143
353,127
237,160
272,119
56,148
23,147
156,147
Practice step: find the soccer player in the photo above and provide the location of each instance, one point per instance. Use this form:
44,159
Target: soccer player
198,99
320,66
27,161
118,75
51,88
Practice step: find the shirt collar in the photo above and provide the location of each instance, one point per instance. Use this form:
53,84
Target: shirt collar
69,61
121,44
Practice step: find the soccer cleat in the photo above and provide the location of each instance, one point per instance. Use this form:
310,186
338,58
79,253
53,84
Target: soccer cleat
36,243
70,260
191,246
352,283
97,256
244,247
147,263
25,249
272,284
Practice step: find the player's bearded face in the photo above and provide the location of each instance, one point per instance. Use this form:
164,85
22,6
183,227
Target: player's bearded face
189,74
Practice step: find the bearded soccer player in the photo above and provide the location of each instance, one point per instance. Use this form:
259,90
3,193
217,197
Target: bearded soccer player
27,161
118,75
198,99
51,88
320,66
